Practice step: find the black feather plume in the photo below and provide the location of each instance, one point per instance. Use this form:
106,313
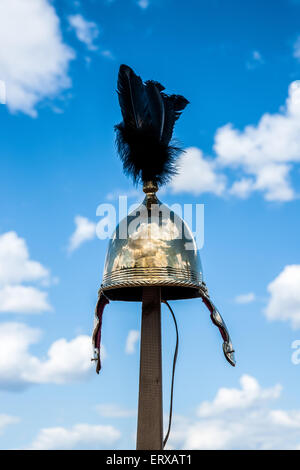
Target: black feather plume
144,135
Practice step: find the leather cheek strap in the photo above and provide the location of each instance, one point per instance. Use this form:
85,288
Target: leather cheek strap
214,315
96,338
219,322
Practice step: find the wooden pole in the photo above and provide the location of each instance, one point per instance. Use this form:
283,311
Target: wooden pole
150,413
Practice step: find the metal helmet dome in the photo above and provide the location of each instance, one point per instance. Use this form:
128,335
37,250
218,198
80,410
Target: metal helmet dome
154,247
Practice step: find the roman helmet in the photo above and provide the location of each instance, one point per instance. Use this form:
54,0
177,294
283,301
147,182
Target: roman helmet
152,246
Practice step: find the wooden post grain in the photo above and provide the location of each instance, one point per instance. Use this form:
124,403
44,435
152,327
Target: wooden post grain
150,414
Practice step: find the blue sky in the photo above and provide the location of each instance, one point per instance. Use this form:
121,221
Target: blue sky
238,64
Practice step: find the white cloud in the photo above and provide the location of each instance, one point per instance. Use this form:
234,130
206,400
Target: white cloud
85,230
296,52
143,4
17,268
108,54
257,56
284,301
112,410
245,298
86,31
230,399
258,161
239,418
15,265
6,420
33,58
66,361
80,436
23,299
2,92
197,175
117,193
242,188
265,160
131,341
255,60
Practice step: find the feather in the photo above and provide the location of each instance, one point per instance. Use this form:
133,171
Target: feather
132,97
144,135
174,105
156,105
